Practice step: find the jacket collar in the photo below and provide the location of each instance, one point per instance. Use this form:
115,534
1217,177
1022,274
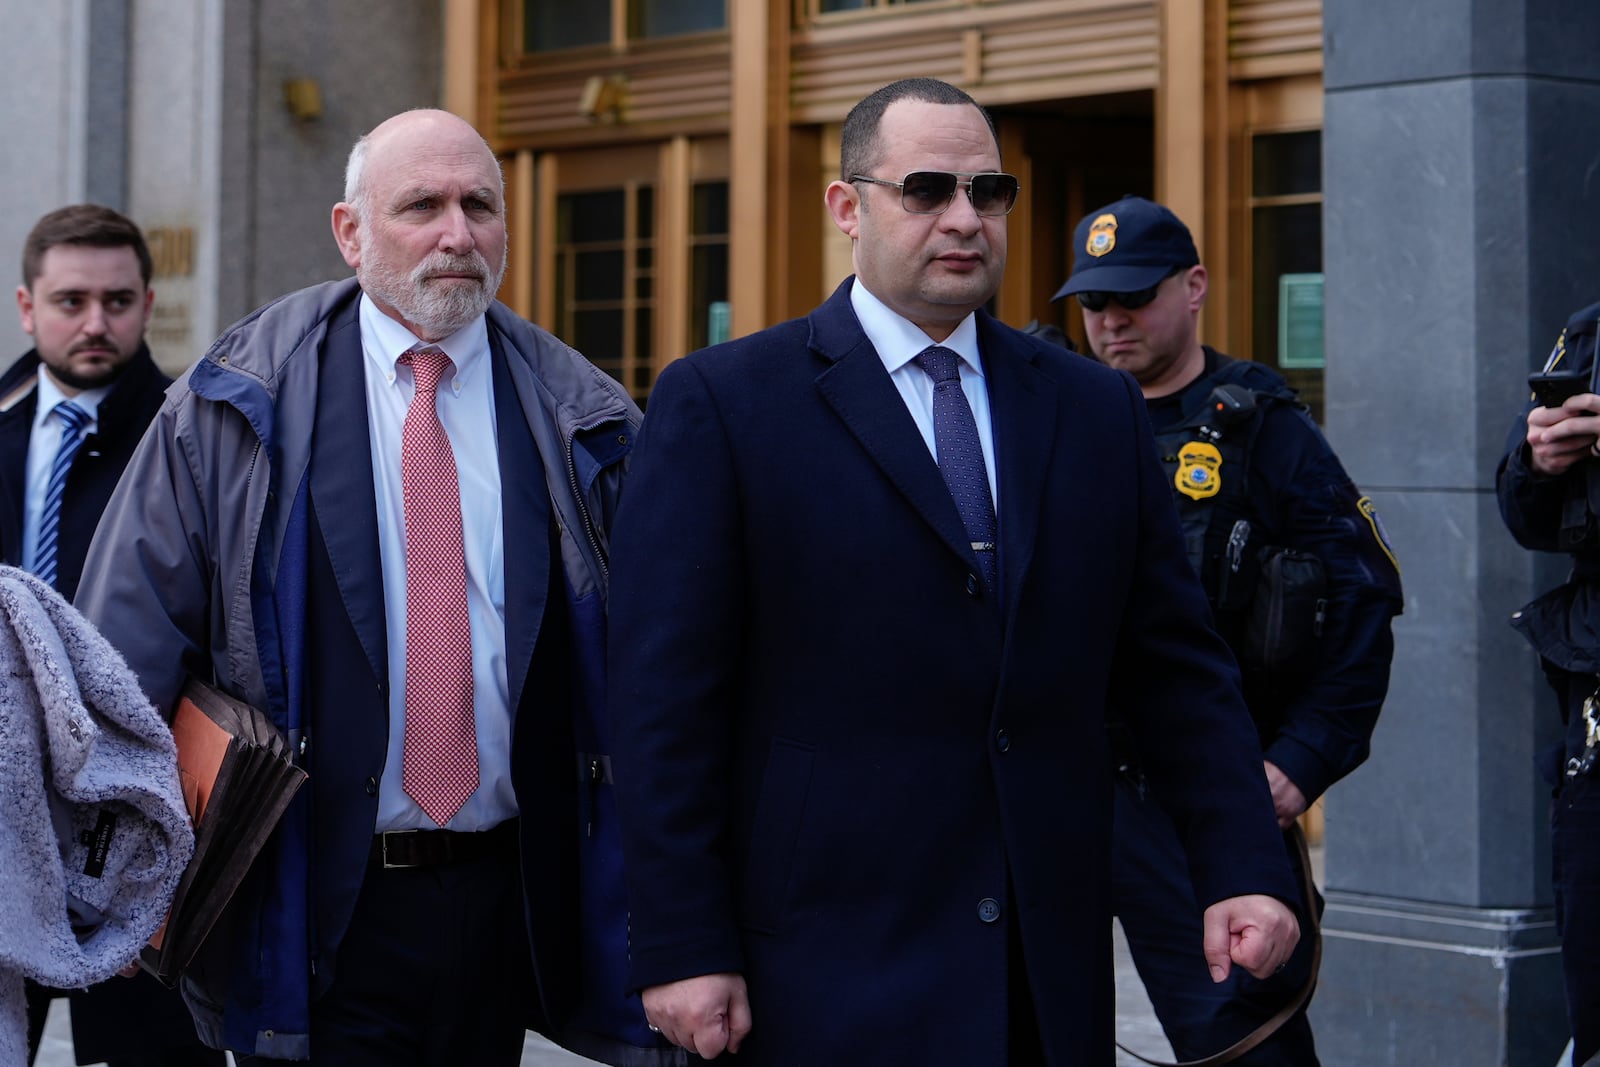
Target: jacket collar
245,365
120,406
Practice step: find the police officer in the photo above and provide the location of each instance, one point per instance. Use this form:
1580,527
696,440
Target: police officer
1549,489
1302,581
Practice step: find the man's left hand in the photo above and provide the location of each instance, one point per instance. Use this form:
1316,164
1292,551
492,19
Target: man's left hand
1287,800
1257,932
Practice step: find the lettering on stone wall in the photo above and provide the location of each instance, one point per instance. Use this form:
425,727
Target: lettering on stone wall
172,250
169,326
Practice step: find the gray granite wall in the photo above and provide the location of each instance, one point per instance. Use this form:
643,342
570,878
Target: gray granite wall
62,123
367,69
173,111
1461,207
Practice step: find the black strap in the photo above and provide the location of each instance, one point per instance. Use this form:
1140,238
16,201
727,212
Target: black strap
1295,1003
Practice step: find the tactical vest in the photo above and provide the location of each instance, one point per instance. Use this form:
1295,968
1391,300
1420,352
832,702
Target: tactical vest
1207,456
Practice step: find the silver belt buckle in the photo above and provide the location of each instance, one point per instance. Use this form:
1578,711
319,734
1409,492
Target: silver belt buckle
384,837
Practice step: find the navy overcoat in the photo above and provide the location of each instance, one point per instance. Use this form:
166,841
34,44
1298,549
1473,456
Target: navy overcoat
849,771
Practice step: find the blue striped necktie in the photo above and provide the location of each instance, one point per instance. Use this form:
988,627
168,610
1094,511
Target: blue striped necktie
73,421
955,438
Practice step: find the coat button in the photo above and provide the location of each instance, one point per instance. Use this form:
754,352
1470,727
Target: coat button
974,586
1002,741
988,909
372,787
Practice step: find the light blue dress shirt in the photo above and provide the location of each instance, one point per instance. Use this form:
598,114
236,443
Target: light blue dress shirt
899,341
466,409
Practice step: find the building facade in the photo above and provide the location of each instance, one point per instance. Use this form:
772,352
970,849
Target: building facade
668,159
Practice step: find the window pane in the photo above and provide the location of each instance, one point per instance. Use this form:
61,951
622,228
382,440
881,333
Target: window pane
1284,164
645,205
1287,240
664,18
841,5
599,275
642,326
708,285
603,279
598,335
556,24
582,218
710,213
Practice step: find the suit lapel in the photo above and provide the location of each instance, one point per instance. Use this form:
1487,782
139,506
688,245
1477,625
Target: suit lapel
341,485
1023,405
16,432
860,392
525,509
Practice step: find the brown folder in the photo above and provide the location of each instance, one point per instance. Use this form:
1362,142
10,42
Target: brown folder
238,777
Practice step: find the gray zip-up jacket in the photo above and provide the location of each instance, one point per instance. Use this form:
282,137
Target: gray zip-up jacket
198,567
93,829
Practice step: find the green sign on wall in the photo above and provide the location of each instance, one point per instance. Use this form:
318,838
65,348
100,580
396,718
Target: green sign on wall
1300,322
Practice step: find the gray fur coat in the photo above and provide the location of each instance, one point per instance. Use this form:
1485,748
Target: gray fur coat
93,831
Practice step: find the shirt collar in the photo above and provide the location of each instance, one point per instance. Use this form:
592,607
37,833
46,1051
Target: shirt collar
385,340
899,340
50,395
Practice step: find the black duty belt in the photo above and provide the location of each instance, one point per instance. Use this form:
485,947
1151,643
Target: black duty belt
430,848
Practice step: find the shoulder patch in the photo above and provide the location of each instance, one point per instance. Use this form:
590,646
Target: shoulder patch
1369,511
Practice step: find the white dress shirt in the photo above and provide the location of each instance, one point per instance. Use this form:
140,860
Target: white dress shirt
466,408
44,441
899,341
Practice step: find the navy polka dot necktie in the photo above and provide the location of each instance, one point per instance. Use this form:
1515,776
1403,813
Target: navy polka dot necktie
960,454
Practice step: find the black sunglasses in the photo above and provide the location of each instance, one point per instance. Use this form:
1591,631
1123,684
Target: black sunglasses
1094,300
930,192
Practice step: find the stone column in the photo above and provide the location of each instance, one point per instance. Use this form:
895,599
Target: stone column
1462,226
63,118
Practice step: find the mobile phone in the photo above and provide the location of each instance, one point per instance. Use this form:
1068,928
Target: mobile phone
1551,388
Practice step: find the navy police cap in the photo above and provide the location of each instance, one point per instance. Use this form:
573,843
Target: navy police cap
1127,246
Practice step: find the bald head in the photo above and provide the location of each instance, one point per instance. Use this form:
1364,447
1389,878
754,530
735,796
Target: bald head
423,124
423,221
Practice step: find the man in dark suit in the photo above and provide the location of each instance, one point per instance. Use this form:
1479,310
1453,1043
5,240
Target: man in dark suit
376,510
859,711
71,412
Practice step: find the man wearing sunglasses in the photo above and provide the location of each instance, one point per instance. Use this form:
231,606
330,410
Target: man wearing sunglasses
875,574
1270,520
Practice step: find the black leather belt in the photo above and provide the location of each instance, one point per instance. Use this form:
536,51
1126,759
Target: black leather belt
430,848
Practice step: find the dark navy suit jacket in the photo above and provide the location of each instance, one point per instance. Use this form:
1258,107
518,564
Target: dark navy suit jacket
849,771
123,416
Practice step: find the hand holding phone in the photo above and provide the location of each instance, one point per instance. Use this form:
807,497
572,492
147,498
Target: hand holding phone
1553,388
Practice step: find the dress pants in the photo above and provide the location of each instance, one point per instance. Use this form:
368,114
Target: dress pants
434,970
1155,900
124,1022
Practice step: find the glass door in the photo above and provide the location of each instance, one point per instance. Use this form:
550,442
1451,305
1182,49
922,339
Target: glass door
633,254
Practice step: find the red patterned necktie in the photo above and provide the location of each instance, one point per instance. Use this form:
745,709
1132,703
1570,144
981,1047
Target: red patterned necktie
440,763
